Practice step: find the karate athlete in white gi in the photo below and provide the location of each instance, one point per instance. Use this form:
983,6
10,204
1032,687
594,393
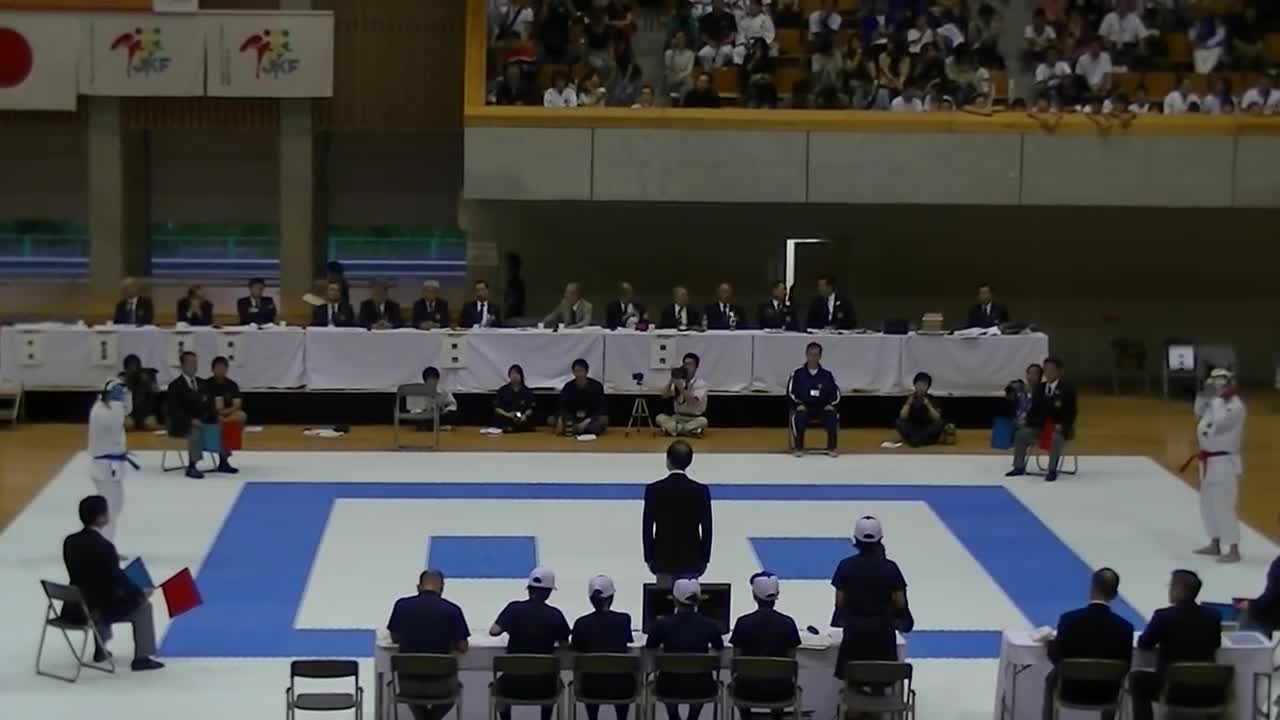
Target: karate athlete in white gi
109,456
1220,415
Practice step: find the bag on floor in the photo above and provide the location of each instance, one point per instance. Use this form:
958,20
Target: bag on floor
1002,433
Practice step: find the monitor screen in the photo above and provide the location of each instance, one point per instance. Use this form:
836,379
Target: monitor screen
1182,358
715,604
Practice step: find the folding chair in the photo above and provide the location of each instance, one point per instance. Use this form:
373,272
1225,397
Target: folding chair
604,664
178,446
685,664
431,412
768,669
1111,673
324,701
525,666
425,681
1203,679
898,703
70,598
1042,462
10,403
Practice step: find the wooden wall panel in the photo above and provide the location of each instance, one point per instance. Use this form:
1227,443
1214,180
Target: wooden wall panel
200,112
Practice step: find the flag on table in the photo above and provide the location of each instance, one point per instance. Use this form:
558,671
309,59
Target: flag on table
181,593
137,572
38,55
1046,436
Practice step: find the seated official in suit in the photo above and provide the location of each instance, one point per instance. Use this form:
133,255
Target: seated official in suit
724,314
335,312
679,315
427,624
187,408
378,312
582,404
335,273
776,313
573,311
480,313
430,311
441,397
1186,631
987,312
625,312
814,395
1054,402
675,525
195,309
144,388
514,405
920,421
256,309
533,627
685,631
227,406
134,308
1093,632
1262,614
765,633
604,630
688,394
830,311
93,566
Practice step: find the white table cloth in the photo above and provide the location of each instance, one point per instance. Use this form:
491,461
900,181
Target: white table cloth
816,657
725,356
268,357
971,365
545,356
860,363
359,359
1024,664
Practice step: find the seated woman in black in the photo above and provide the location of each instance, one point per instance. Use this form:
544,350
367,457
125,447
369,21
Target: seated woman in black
604,631
144,388
513,408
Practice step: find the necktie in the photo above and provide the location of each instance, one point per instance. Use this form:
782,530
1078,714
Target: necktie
573,315
133,312
333,313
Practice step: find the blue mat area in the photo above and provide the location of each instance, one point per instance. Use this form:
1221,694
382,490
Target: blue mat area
487,557
254,577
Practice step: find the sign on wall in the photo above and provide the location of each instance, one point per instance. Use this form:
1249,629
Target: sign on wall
38,61
142,55
279,54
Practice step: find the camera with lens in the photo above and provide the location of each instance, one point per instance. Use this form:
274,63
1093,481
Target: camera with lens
638,377
679,373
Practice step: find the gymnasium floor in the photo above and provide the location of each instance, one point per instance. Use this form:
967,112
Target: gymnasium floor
303,553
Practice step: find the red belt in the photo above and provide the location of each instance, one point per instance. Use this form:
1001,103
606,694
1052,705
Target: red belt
1203,456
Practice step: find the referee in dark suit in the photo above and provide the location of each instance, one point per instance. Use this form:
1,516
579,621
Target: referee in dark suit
677,521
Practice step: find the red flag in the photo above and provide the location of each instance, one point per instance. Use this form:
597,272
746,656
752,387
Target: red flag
181,593
1046,436
232,436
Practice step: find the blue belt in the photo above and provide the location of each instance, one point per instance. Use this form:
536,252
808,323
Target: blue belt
120,457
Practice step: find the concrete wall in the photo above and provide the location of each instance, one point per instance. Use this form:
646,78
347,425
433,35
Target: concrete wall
214,176
46,174
842,167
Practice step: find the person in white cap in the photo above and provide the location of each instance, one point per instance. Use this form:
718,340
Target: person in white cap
110,460
871,599
685,631
765,633
533,627
1220,415
604,630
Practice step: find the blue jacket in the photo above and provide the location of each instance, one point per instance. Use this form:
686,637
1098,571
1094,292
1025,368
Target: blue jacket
803,386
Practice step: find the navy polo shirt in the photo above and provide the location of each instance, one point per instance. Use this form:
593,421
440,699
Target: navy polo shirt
603,631
533,627
685,632
868,581
427,623
765,633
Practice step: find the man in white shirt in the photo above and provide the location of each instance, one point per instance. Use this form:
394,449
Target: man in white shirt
1263,98
1094,69
1180,97
1123,32
1039,36
908,101
561,93
511,16
1053,75
688,394
755,24
825,19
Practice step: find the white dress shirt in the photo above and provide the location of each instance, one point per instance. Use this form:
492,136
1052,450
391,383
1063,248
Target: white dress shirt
1176,103
1122,30
1094,70
553,98
816,25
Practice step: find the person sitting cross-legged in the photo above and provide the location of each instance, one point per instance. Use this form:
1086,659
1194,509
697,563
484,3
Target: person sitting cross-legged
583,412
688,394
513,407
920,422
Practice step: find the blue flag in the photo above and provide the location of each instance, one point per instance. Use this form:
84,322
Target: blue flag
137,572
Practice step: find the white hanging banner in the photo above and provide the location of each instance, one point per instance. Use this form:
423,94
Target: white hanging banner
180,342
453,355
142,54
276,54
229,348
38,60
31,347
662,352
104,349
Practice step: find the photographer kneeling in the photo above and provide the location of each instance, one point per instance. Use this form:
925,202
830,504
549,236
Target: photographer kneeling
920,422
688,394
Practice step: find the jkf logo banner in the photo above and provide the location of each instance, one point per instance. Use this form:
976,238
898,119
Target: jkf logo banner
142,55
270,55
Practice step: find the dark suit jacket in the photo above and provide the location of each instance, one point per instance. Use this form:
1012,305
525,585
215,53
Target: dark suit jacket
93,566
668,320
346,317
844,317
1061,408
471,314
677,525
1092,632
1188,632
182,405
980,318
390,312
613,313
717,320
439,313
265,315
145,312
767,318
204,316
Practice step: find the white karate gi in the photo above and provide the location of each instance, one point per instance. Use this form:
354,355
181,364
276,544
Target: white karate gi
107,453
1220,429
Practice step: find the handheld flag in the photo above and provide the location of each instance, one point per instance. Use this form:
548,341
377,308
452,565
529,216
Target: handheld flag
181,593
137,572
